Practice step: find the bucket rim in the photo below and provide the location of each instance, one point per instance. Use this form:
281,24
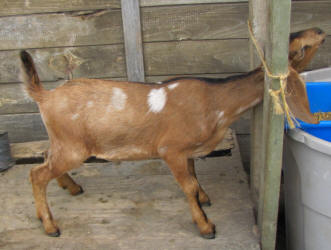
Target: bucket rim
311,141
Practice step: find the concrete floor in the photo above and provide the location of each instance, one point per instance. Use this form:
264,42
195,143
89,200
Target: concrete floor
132,205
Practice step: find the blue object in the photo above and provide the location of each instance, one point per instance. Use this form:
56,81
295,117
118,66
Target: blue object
319,96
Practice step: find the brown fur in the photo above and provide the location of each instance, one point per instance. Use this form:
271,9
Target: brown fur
82,120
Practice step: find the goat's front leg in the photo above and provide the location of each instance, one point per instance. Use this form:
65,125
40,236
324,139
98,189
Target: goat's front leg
203,197
66,182
190,186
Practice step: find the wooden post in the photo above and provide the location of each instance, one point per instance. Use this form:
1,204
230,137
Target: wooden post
258,19
279,12
133,40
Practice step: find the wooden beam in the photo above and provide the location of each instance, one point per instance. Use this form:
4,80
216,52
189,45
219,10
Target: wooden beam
258,19
180,2
279,12
133,40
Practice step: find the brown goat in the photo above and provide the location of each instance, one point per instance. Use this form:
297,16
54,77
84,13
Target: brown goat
177,120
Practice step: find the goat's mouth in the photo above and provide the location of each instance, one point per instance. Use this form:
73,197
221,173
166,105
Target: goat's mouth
322,41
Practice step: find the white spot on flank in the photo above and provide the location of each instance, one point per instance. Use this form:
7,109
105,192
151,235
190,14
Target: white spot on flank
256,101
220,114
156,100
163,150
173,86
74,117
118,99
90,104
240,110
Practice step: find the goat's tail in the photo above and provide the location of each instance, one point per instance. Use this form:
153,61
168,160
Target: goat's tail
30,77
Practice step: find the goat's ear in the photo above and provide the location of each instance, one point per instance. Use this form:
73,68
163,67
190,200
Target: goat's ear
297,99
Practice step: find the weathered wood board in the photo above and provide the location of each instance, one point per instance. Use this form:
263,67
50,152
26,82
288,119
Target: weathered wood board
133,43
23,127
164,58
133,205
19,7
171,23
28,150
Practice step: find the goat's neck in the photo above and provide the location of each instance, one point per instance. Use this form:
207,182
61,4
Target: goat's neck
240,94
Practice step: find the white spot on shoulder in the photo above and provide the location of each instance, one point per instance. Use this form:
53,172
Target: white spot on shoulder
173,85
90,104
74,117
118,99
156,100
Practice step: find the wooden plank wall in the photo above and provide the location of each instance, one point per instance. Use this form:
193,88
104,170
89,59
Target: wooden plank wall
85,39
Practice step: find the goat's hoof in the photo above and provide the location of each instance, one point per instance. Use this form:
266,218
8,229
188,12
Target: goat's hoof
79,191
209,232
57,233
209,236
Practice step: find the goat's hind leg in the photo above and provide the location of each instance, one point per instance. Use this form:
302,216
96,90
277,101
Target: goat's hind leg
40,177
54,167
66,182
203,197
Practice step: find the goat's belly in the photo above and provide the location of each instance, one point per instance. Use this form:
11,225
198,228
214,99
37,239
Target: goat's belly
126,153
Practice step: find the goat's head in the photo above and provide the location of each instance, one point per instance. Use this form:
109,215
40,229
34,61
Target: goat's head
303,46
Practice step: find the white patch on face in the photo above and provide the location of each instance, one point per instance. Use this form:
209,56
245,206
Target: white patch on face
173,86
74,117
156,100
90,104
118,99
159,82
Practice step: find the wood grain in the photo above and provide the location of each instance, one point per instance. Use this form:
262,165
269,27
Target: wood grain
69,29
23,127
169,23
133,40
166,58
20,7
